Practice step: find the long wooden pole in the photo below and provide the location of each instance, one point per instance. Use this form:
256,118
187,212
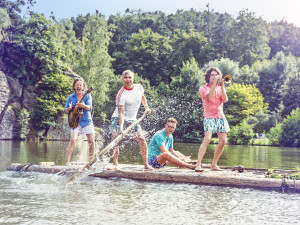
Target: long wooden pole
106,149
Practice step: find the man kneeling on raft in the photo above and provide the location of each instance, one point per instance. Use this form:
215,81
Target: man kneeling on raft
161,152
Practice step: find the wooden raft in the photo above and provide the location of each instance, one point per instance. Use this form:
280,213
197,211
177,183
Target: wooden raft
250,178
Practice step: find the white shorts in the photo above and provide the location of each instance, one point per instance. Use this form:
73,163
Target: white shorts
86,130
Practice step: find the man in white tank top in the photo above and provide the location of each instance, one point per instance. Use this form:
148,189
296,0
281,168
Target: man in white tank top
128,101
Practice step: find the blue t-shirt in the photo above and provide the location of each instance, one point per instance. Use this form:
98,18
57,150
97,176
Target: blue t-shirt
86,118
159,139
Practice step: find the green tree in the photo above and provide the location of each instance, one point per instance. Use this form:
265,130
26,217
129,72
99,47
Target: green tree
4,23
148,54
182,101
241,134
53,92
290,93
188,45
284,37
244,101
14,10
262,122
37,51
247,75
275,134
221,40
94,63
67,41
272,75
290,135
250,39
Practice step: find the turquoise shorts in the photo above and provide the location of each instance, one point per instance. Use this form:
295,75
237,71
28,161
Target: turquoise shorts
114,125
216,125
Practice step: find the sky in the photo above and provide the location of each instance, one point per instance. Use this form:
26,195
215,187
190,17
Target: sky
269,10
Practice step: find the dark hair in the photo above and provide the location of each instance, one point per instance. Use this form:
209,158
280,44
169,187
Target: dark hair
172,120
208,72
78,79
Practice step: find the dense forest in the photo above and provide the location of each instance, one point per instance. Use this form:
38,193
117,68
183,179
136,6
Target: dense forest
169,55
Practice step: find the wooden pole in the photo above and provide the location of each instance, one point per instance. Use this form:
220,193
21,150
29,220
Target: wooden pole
106,149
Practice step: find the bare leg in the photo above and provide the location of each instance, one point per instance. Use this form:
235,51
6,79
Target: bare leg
143,149
115,152
167,157
182,156
73,138
202,150
219,150
91,142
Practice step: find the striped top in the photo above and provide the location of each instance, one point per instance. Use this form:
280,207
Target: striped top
131,100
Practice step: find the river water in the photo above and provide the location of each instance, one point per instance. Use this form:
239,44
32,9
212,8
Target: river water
36,198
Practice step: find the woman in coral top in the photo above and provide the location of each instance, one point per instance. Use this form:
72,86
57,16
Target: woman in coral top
213,96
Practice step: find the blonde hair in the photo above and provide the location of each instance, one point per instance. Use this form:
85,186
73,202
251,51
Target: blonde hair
172,120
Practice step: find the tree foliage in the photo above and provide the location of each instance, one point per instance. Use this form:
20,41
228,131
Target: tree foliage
287,133
284,37
273,74
94,63
168,53
250,39
53,93
241,133
244,101
4,23
37,51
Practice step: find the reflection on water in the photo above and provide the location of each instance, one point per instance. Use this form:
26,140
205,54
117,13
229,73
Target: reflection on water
36,198
233,155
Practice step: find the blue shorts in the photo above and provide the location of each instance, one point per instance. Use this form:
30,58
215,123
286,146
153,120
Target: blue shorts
216,125
154,163
114,125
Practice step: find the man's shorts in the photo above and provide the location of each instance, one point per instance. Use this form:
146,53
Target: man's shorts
89,129
114,125
216,125
154,163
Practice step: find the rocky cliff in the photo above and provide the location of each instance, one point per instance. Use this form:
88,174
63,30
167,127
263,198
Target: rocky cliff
13,95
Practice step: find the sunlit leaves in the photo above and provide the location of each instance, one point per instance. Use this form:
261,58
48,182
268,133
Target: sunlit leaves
244,101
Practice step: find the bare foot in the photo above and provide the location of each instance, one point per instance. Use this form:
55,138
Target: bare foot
148,167
187,159
199,168
192,166
68,164
215,168
113,167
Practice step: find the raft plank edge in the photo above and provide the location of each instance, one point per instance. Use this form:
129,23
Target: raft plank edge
227,178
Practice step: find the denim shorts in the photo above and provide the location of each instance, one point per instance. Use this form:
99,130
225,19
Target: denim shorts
89,129
154,163
216,125
114,125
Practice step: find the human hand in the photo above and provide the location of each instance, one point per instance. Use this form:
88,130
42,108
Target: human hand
80,105
148,111
221,82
